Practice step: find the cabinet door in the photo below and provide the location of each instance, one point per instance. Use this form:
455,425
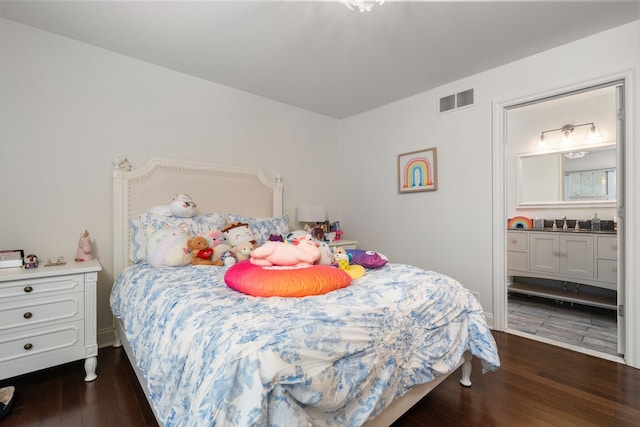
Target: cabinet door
607,247
576,256
607,271
544,252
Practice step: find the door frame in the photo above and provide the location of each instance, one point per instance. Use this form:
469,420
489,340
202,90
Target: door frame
630,228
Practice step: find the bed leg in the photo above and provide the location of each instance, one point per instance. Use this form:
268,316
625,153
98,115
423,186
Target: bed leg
116,339
465,380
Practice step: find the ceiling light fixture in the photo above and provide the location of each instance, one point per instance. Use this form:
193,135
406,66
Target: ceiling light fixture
567,133
361,5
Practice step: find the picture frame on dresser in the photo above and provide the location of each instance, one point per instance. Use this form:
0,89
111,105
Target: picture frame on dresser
418,171
11,258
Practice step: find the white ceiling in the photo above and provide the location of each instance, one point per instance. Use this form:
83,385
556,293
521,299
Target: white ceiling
319,55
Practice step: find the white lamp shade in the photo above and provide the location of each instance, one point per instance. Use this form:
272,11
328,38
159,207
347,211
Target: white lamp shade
311,213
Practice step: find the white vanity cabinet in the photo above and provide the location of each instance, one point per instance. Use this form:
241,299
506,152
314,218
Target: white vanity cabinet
565,254
517,251
606,260
48,317
581,258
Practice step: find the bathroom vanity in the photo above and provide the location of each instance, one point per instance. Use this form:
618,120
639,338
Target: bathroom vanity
568,259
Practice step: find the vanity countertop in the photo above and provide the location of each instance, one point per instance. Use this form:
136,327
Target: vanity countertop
570,230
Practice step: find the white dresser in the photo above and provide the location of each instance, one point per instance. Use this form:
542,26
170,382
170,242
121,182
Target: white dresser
48,317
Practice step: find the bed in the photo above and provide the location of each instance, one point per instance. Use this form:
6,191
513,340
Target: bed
208,355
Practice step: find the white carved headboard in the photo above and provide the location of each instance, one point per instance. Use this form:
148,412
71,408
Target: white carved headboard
215,188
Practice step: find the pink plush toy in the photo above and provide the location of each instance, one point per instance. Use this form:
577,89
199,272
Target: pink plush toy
301,252
84,248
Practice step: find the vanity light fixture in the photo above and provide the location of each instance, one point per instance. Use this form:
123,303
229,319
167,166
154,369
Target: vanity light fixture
567,133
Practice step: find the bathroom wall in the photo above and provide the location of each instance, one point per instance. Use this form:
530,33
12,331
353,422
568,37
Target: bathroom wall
524,127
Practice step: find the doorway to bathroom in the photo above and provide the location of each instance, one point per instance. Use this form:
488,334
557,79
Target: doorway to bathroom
564,205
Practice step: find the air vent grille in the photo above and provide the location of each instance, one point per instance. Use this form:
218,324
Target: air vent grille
457,100
447,103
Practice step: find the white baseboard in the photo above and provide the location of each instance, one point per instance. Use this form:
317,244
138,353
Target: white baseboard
488,317
106,337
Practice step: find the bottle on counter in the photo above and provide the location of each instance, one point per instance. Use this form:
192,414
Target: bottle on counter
595,223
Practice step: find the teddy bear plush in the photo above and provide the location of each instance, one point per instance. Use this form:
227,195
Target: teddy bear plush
243,250
200,251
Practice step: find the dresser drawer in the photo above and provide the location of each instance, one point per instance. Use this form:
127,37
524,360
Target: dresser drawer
607,247
33,343
43,286
28,311
517,241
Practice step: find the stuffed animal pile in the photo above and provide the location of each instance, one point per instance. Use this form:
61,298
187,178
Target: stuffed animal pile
174,245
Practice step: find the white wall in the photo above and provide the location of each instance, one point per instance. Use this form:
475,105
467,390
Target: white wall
68,108
450,230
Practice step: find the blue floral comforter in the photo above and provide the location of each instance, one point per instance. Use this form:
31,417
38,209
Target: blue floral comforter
215,357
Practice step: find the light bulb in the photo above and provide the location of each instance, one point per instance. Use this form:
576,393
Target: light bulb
542,141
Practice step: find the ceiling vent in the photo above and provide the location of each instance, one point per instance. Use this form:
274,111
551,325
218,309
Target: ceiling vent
456,101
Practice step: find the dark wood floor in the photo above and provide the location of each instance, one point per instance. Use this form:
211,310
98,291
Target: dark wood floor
537,385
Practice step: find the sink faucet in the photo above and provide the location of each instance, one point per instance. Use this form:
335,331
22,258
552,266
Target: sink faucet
564,226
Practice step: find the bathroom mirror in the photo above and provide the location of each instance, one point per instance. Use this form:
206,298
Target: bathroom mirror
578,177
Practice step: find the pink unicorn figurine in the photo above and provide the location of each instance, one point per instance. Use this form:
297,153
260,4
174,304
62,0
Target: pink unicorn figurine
84,248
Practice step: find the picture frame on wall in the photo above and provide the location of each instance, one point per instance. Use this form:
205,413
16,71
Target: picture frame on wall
418,171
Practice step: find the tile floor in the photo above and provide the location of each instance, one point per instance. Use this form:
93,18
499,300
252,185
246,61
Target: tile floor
588,327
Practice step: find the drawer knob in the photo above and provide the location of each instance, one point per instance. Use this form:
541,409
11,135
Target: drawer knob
28,315
28,346
28,289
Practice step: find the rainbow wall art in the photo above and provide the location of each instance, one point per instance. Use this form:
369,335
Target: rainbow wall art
417,171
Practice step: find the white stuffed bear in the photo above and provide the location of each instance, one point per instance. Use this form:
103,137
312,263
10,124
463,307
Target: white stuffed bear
180,206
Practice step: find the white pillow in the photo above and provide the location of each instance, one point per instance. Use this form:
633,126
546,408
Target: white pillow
138,243
198,225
